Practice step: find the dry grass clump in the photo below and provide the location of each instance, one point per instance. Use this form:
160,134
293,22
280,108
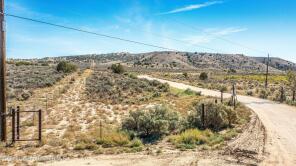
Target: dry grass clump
116,88
192,137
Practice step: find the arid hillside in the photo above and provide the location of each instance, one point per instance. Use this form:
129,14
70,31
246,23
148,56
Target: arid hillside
278,63
179,61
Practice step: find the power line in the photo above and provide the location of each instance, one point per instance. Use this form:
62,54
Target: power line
89,32
218,37
180,41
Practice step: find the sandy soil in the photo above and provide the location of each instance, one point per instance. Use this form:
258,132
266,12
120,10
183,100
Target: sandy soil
278,119
246,149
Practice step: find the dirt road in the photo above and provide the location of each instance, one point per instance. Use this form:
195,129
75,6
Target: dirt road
278,119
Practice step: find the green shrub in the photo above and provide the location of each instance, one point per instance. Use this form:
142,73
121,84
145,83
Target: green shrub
117,68
66,67
203,76
153,122
188,91
217,116
136,142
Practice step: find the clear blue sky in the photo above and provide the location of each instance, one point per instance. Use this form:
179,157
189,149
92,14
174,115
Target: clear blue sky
267,25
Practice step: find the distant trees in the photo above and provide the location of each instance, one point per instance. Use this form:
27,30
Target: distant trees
66,67
203,76
117,68
292,83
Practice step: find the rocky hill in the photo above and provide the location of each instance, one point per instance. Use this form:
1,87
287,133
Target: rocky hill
183,60
277,63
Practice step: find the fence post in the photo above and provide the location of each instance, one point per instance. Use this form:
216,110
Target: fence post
282,94
203,115
18,122
13,125
40,125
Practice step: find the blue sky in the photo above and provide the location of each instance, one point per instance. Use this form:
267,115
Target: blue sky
265,25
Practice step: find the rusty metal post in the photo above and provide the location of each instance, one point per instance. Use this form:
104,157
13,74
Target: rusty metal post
2,75
17,122
13,125
203,115
39,125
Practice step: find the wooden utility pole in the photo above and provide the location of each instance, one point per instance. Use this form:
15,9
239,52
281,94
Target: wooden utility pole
267,68
2,74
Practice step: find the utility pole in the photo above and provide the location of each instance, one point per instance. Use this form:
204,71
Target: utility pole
2,74
267,68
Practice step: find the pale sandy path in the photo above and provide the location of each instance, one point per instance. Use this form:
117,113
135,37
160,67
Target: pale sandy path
278,119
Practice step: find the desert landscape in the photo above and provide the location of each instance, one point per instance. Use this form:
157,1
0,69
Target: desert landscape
147,83
108,110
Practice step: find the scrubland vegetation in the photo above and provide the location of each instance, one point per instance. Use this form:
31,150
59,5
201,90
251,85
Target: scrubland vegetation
111,111
245,84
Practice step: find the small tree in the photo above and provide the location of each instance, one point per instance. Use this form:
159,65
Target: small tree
222,89
292,83
117,68
203,76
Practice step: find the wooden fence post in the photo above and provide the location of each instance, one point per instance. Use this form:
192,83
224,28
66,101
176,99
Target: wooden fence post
18,122
13,125
203,115
40,126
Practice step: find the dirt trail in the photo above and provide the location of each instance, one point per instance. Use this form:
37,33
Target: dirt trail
278,119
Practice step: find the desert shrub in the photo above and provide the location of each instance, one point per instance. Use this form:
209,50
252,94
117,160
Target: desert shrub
153,122
231,71
277,96
66,67
263,93
188,91
250,93
203,76
217,116
185,75
117,68
23,63
115,88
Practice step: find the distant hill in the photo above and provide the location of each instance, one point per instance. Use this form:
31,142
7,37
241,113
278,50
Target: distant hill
278,63
184,60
